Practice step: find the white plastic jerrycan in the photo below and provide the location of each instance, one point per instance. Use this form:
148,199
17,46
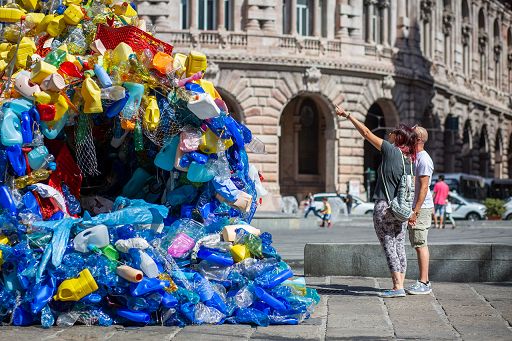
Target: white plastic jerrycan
97,236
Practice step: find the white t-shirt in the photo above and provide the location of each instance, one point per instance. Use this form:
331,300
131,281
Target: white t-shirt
423,166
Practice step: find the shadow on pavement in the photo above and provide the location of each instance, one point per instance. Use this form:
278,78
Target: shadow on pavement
345,290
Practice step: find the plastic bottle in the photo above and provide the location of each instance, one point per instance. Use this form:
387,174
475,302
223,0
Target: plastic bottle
147,285
113,93
103,78
17,159
152,113
135,316
138,137
7,201
136,92
269,299
148,265
97,236
181,244
129,273
92,96
11,129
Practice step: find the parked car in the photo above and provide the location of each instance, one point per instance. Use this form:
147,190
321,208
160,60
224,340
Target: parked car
359,206
466,209
508,213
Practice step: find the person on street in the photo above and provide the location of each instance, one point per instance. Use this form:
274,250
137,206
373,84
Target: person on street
421,219
326,213
397,153
441,190
349,201
449,211
310,206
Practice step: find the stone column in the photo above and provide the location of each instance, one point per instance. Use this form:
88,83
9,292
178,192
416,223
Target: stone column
330,22
357,19
340,11
392,23
193,14
293,17
220,15
384,5
316,18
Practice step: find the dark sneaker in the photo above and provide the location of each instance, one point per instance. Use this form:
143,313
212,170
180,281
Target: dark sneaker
419,288
393,293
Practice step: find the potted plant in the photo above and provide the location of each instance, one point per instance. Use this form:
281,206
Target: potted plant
494,208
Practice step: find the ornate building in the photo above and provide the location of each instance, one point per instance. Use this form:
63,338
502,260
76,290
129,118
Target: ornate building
283,66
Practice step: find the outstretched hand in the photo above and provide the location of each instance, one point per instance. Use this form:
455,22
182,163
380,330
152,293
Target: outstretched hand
341,112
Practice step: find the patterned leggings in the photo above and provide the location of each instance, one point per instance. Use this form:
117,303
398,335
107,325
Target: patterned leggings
391,234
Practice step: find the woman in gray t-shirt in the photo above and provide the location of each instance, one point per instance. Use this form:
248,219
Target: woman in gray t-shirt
400,147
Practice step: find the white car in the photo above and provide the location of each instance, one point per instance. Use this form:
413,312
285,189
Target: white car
359,206
464,209
508,213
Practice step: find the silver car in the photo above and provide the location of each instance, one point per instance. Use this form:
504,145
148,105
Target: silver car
465,209
359,206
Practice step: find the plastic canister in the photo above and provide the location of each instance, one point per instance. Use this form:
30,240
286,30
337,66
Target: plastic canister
97,236
73,15
41,70
11,129
203,106
196,62
11,14
167,155
56,26
36,157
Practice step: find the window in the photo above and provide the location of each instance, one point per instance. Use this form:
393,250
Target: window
184,14
466,38
228,15
497,54
308,138
206,15
482,45
304,17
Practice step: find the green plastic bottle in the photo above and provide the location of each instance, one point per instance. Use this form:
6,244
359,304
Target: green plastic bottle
56,57
138,138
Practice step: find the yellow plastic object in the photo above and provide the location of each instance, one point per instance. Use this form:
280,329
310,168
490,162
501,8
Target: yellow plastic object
35,18
29,5
209,88
76,288
72,2
121,53
41,70
239,252
3,65
25,50
152,113
73,15
41,27
91,93
196,61
180,63
5,47
56,26
209,140
124,9
61,105
11,14
162,62
3,240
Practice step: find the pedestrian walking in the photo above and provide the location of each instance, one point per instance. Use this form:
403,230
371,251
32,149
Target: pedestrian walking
349,201
326,213
421,219
310,207
448,213
398,153
441,190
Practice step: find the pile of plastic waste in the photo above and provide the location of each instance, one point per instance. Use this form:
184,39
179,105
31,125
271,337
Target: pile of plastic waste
125,191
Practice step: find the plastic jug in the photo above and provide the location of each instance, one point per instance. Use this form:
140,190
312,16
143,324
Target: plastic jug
21,84
97,236
41,70
152,113
148,285
116,107
196,61
166,156
136,91
11,14
103,77
129,273
76,288
239,252
73,15
92,96
26,127
121,53
214,257
199,173
6,200
17,159
209,143
18,105
11,129
203,106
56,26
162,62
36,157
181,244
53,82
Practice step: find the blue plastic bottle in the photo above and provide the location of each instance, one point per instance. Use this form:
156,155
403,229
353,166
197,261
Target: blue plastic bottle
269,299
26,127
7,201
214,257
169,301
147,285
135,316
21,317
43,294
11,129
103,77
17,159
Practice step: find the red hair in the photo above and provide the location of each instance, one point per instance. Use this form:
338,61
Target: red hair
406,140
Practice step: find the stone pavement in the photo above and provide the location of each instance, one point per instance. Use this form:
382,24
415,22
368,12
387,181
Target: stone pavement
350,309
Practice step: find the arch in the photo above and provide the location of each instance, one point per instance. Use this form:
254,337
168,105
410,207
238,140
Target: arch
234,107
484,153
381,117
481,19
498,155
465,9
307,156
482,45
467,147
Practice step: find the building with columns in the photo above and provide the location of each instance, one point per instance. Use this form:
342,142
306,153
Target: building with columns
283,65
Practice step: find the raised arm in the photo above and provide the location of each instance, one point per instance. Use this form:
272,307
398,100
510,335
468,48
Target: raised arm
361,128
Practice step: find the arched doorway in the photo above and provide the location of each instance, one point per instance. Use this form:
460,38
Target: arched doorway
381,117
484,156
234,107
306,149
467,147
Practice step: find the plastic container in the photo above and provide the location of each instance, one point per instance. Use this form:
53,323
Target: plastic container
135,316
136,92
26,127
92,96
41,70
7,201
11,129
73,15
152,113
76,288
129,273
269,299
97,236
148,285
10,14
240,252
17,159
199,173
214,257
166,156
162,62
53,82
196,62
181,244
36,157
21,84
103,78
203,106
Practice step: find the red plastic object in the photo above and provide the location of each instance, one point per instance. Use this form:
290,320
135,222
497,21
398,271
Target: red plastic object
46,112
67,170
70,69
133,36
41,50
48,206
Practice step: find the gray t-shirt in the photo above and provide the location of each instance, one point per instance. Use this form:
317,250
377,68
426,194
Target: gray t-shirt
393,170
423,166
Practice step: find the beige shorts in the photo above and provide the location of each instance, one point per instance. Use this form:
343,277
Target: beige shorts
418,233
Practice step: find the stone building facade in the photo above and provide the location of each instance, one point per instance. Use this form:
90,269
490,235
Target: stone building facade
284,65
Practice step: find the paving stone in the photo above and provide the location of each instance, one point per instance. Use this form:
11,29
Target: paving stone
149,333
499,295
301,332
215,332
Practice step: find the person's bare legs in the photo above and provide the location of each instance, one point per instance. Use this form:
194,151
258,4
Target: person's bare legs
435,220
441,218
423,259
398,280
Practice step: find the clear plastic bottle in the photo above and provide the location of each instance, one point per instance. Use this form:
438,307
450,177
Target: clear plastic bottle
256,146
113,93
